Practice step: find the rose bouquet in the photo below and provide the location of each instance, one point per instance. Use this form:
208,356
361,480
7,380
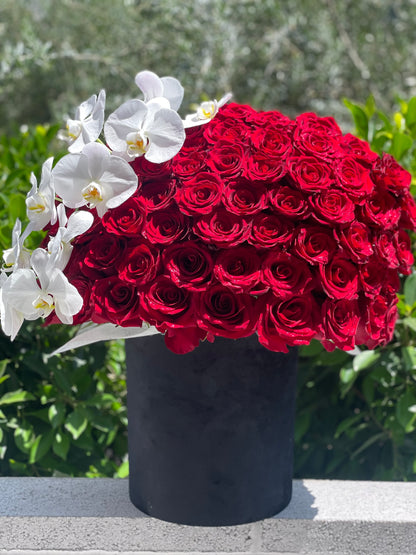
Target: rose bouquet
229,223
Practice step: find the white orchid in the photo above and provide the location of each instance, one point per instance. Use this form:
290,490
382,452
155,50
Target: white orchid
151,129
206,111
17,256
31,293
154,87
94,178
87,125
40,203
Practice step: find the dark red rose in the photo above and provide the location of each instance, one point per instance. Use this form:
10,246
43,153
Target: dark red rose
315,244
189,264
403,252
195,137
381,209
273,118
379,318
126,219
188,163
389,174
375,276
326,126
287,275
238,268
332,206
289,202
386,249
139,264
226,313
356,239
226,159
358,149
408,211
115,301
292,322
231,131
164,304
310,174
340,319
200,194
353,178
148,170
240,112
102,255
166,226
243,197
158,193
274,142
339,278
223,229
183,340
269,230
316,136
259,166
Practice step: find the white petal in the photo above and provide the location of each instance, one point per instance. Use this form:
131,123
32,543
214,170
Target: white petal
67,299
150,84
166,135
78,223
70,175
40,262
173,91
98,157
126,119
19,292
85,108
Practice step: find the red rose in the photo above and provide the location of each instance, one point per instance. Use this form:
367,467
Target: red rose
102,255
183,340
403,252
292,322
381,209
326,126
286,274
223,229
166,226
310,174
226,313
358,149
158,193
200,194
389,174
189,265
379,318
164,304
115,301
273,142
332,206
273,118
259,166
188,163
315,244
353,178
139,265
243,197
374,276
386,249
408,211
339,278
231,131
148,170
289,202
238,268
340,320
194,137
126,219
356,239
226,159
240,112
269,230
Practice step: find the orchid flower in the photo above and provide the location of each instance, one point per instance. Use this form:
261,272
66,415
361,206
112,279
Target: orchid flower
95,178
206,111
151,129
30,293
17,256
153,86
87,125
40,203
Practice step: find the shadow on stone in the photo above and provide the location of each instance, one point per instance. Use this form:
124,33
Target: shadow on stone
301,505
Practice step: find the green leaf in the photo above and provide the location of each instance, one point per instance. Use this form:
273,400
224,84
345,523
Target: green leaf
3,365
302,425
40,447
347,423
17,396
56,414
347,375
61,444
123,470
401,143
406,417
17,207
411,112
409,358
360,118
24,438
370,106
410,323
410,290
364,360
76,423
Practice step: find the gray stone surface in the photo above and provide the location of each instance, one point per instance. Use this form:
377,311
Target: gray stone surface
78,515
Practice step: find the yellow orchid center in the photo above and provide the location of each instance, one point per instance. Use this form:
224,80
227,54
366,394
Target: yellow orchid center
207,110
92,193
137,144
73,128
36,204
44,304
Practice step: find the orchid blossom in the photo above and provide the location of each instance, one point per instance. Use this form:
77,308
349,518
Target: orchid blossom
154,87
94,178
151,129
206,111
87,125
40,203
17,256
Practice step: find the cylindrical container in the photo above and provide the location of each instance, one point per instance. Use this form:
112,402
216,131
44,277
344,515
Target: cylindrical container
210,432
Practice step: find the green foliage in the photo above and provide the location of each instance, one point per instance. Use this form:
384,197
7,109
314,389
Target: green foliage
357,414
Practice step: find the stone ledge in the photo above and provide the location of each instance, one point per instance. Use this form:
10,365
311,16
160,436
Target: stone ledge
80,515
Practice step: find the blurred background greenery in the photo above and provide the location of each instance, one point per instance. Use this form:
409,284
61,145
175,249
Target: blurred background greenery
356,416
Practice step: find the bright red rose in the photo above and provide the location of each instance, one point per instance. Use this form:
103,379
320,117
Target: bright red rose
231,131
189,264
158,193
389,174
287,275
378,321
183,340
273,118
292,322
381,209
115,301
240,112
140,264
270,230
200,194
102,255
194,138
353,178
386,249
403,252
188,163
166,226
315,244
243,197
356,238
273,142
126,219
289,202
238,268
259,166
408,211
358,149
332,206
223,229
148,170
326,126
164,304
310,174
375,276
339,278
226,313
226,158
340,320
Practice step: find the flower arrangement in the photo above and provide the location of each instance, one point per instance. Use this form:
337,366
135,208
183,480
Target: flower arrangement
227,223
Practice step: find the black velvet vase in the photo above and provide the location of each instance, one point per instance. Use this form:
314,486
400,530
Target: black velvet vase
211,432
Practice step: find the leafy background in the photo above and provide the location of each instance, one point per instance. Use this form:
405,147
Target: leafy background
356,416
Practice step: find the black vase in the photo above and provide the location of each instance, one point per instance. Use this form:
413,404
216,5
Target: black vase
211,432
